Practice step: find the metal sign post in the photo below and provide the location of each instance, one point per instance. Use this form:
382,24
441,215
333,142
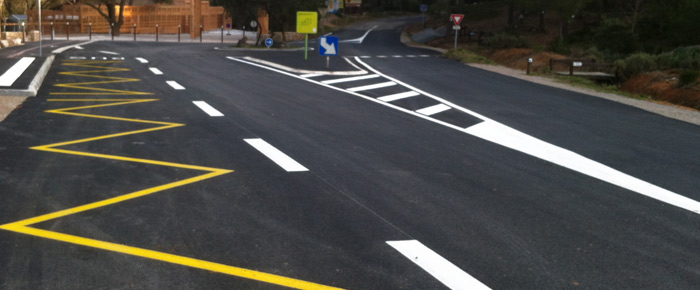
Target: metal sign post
41,29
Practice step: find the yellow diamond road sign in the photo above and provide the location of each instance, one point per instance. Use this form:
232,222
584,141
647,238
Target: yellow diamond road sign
307,22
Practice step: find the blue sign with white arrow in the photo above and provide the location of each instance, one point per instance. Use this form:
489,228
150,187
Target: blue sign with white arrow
328,45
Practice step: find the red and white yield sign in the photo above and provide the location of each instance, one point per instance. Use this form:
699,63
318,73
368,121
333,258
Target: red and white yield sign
457,18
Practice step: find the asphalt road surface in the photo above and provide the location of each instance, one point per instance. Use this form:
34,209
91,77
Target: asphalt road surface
198,166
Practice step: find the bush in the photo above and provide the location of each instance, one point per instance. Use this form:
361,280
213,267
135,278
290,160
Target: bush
635,64
505,41
688,77
683,57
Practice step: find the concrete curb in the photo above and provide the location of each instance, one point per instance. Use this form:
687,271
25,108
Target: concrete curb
34,86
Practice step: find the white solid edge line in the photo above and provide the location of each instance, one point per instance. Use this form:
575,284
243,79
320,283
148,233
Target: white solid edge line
395,97
155,71
175,85
277,156
311,75
62,49
349,79
142,60
432,110
443,270
11,75
109,52
208,109
372,87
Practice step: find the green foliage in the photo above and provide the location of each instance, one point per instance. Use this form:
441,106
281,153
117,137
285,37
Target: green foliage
635,64
504,41
683,58
467,56
615,36
688,76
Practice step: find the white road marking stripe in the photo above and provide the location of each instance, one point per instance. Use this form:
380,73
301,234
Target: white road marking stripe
394,97
479,130
109,52
310,75
175,85
443,270
371,87
397,56
11,75
516,140
118,58
142,60
77,57
155,71
432,110
503,135
208,109
424,55
284,161
79,47
410,55
350,79
365,56
382,56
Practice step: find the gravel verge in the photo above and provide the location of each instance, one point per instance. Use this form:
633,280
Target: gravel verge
9,104
670,111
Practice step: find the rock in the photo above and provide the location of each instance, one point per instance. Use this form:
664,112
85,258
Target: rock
243,42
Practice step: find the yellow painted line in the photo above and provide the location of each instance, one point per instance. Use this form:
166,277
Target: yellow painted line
95,72
118,199
170,258
23,226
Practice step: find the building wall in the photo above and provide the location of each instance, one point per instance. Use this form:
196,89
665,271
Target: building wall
80,18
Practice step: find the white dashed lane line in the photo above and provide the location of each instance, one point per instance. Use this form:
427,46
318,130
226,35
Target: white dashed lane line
277,156
155,71
443,270
175,85
208,109
142,60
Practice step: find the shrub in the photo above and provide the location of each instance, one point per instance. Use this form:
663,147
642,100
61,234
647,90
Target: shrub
688,76
635,64
505,41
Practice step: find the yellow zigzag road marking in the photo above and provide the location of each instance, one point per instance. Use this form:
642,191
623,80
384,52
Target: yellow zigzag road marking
24,226
91,74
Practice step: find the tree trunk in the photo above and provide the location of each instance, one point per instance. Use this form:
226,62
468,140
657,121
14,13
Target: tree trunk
511,10
1,2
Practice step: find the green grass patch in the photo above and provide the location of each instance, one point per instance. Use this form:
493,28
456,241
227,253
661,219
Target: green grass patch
468,56
598,87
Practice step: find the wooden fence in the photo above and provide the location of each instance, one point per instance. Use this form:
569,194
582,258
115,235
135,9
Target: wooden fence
80,18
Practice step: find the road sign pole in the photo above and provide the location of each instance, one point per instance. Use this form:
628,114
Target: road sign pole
456,31
328,62
306,47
